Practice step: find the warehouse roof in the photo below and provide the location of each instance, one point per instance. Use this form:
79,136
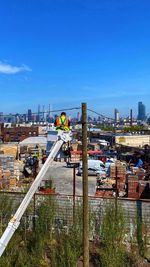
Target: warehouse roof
37,140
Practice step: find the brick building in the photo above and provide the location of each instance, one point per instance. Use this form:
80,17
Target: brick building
17,134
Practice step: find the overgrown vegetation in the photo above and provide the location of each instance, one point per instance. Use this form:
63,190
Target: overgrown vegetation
5,211
113,252
52,242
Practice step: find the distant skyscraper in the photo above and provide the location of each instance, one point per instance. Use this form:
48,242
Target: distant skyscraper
29,115
34,117
131,117
38,109
44,114
116,113
141,112
50,110
17,118
38,114
24,116
78,116
1,117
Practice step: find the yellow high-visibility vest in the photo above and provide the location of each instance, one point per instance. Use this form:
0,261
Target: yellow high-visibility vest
62,123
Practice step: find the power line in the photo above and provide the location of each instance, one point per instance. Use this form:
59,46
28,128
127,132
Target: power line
57,110
101,115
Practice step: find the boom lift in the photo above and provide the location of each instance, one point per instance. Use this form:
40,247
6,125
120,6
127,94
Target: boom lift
62,137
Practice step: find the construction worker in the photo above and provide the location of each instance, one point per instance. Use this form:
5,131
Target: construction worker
62,122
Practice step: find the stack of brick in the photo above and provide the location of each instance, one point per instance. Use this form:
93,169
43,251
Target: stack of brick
75,157
101,192
12,182
137,187
9,150
139,171
18,168
4,181
9,172
133,186
118,170
113,171
6,177
121,172
141,174
121,175
7,163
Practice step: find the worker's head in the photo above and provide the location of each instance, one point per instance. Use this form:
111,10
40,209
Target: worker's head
63,113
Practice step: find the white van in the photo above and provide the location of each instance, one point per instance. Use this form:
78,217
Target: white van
95,167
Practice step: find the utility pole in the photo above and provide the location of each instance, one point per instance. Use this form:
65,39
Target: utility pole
74,192
116,196
85,188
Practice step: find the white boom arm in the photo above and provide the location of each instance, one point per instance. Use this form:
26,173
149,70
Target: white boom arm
15,221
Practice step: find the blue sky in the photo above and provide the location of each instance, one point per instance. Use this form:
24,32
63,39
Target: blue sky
65,52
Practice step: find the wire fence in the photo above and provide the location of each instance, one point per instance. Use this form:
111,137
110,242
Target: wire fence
67,207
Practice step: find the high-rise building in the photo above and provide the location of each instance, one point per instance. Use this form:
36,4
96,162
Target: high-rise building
29,115
50,111
117,117
38,109
141,112
78,116
43,111
131,117
38,114
1,117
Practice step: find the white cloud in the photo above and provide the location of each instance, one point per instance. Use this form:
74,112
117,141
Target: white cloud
9,69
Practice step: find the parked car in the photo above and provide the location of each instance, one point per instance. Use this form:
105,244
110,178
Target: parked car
95,167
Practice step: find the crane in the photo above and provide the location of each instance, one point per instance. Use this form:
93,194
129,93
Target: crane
62,137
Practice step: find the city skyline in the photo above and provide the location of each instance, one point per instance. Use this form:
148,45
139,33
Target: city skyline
43,111
68,53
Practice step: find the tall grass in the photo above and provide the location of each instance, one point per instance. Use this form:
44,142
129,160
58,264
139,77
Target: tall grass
113,231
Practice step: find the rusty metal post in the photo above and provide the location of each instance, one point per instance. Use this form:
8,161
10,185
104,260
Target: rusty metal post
74,192
85,188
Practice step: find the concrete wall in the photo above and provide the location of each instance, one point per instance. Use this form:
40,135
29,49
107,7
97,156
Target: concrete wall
64,211
97,206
